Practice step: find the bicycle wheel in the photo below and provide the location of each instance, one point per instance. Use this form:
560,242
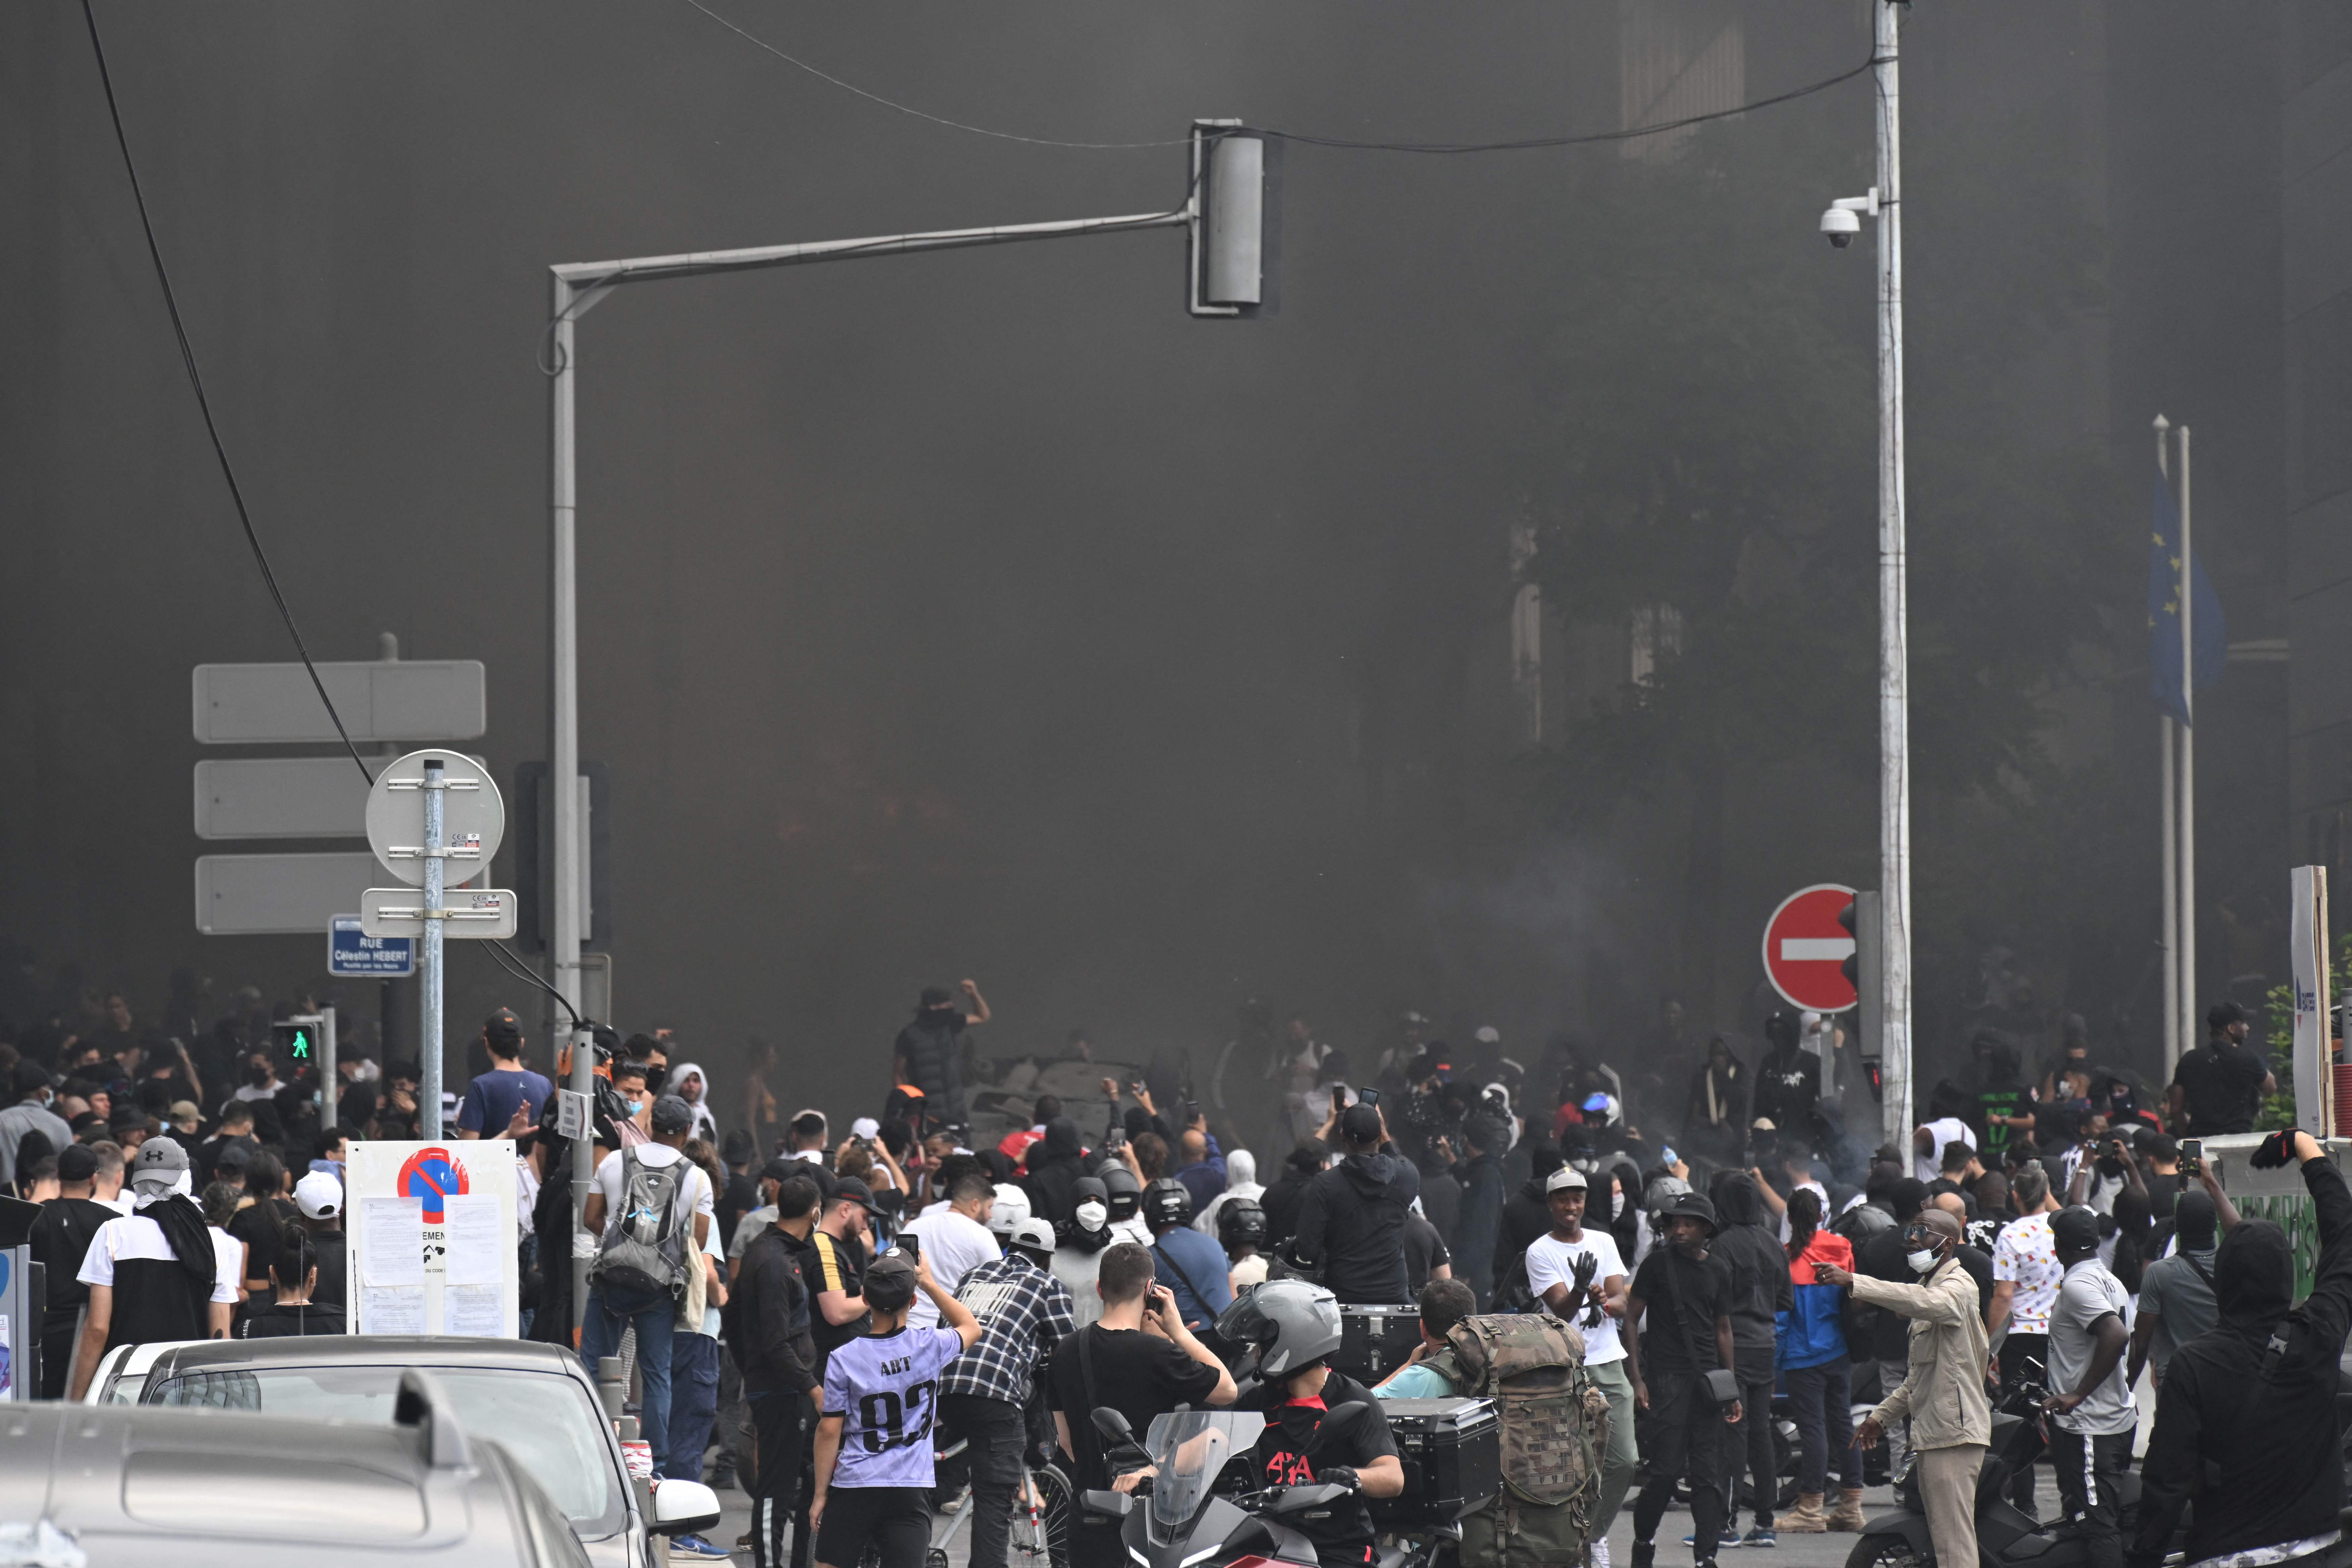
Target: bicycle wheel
1040,1536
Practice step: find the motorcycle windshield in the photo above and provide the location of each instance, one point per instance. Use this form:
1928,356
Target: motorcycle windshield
1189,1449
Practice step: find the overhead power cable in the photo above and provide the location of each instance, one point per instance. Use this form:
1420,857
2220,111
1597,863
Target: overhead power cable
204,404
1521,144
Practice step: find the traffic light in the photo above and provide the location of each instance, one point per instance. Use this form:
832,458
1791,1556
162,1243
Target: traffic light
1861,968
1235,250
298,1044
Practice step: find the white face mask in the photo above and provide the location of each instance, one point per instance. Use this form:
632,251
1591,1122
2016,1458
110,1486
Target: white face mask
1920,1262
1093,1216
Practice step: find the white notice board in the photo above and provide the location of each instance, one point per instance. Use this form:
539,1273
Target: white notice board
432,1230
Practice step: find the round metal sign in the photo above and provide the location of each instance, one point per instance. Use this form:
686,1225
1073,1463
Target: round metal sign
1805,949
473,818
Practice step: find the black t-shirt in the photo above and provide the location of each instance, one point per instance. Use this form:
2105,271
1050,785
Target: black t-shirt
1706,1291
2223,1089
281,1322
257,1225
1293,1448
61,1238
1424,1251
841,1266
332,1292
1137,1373
740,1198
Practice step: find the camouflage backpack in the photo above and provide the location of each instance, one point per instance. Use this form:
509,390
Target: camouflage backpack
1554,1431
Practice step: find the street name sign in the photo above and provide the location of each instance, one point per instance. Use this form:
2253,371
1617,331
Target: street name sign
383,699
352,951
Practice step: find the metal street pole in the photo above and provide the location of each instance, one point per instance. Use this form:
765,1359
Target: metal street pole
2188,939
1893,636
2169,815
575,290
429,1021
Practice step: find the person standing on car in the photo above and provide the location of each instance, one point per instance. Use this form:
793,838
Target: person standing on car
1117,1364
1686,1290
1295,1327
159,1272
2092,1416
1942,1391
2245,1424
1024,1312
2218,1089
1351,1221
929,1050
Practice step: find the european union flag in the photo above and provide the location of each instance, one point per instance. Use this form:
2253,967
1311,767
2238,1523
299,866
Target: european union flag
2164,612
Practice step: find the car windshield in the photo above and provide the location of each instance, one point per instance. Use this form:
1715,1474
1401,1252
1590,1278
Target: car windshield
1188,1448
547,1421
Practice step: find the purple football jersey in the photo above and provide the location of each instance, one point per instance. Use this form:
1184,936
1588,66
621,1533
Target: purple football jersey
884,1389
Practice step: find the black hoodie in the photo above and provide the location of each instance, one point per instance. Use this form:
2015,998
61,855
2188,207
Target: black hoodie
1352,1223
2248,1431
1054,1172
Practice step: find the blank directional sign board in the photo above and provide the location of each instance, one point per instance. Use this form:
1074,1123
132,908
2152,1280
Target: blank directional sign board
389,699
280,797
269,894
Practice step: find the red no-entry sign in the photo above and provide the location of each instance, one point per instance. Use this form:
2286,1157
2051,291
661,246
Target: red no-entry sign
1805,949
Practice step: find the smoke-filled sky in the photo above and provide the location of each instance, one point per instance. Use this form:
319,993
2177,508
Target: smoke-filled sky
969,615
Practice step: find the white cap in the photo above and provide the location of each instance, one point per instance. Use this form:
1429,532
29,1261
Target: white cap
319,1195
1036,1234
1488,1034
1011,1208
865,1127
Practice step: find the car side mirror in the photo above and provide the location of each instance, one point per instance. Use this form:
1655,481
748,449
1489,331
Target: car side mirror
683,1508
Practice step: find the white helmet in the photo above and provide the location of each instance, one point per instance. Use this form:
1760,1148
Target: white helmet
1011,1208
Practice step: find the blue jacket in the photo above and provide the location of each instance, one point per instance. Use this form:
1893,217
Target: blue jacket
1813,1332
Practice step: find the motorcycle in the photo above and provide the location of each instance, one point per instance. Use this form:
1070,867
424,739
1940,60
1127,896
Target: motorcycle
1178,1516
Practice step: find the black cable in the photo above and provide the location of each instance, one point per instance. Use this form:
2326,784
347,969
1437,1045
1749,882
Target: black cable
196,380
1345,143
521,971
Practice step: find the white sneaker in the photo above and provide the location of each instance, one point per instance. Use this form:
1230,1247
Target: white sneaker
1600,1552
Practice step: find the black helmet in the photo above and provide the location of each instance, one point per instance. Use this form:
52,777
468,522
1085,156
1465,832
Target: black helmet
1241,1221
1292,1324
1126,1194
1166,1205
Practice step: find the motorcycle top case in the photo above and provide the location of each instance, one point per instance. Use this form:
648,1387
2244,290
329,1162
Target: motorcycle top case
1375,1340
1452,1454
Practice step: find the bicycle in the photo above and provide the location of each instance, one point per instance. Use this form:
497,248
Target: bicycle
1040,1536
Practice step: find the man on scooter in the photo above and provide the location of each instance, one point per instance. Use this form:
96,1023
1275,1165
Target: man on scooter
1943,1392
2245,1421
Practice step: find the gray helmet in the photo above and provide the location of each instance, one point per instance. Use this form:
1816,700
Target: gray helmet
1292,1324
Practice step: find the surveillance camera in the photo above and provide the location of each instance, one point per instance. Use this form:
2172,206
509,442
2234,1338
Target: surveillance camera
1839,225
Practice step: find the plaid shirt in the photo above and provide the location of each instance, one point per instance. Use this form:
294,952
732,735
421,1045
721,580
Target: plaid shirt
1024,1312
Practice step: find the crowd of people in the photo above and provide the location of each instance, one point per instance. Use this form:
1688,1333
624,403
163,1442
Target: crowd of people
809,1313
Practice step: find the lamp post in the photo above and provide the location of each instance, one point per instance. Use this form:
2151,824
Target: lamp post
1839,225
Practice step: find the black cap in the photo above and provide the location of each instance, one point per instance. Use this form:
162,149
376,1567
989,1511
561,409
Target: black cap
77,1162
502,1026
937,997
29,1076
855,1191
782,1168
1360,1123
2221,1015
890,1280
2075,1230
1695,1204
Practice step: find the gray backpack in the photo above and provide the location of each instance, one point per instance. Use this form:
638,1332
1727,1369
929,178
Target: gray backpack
645,1250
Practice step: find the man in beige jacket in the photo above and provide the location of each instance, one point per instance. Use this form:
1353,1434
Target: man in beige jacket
1944,1392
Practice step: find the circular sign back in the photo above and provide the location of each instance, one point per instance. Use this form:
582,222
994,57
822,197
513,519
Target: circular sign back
471,818
1805,949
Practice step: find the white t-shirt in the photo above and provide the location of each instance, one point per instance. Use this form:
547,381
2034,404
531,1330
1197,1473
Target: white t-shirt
711,1313
1944,1129
134,1235
953,1244
1552,1261
655,1155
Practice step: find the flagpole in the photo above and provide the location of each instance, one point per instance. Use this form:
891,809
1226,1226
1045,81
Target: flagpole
2168,818
2187,766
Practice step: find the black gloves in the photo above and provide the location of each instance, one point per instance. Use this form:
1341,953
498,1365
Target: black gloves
2273,1151
1340,1476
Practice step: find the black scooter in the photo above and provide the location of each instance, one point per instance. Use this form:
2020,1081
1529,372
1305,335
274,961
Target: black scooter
1177,1518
